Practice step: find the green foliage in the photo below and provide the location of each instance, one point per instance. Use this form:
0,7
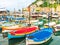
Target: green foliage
55,5
35,2
51,5
45,4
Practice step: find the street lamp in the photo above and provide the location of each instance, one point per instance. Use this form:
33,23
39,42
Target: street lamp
29,15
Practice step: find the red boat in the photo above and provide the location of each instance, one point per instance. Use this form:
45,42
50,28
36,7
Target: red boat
23,31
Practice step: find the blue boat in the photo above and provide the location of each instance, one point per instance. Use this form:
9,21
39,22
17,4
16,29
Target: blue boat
40,36
19,18
13,36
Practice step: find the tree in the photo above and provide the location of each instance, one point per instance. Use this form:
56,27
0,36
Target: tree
55,6
45,4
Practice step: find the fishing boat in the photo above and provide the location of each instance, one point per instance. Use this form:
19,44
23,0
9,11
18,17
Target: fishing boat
39,23
50,24
19,19
40,36
57,27
2,22
7,27
22,31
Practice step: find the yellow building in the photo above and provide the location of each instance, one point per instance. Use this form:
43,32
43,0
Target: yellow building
58,8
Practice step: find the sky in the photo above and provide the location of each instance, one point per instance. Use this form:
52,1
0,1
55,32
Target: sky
17,4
